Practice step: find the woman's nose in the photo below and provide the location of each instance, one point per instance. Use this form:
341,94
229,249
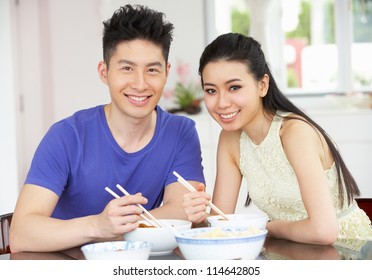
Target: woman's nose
223,100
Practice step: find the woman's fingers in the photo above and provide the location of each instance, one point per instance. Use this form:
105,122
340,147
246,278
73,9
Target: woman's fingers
195,204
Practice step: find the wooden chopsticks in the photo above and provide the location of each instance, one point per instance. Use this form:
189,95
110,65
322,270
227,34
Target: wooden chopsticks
192,189
153,221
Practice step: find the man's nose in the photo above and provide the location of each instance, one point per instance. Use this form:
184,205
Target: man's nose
139,81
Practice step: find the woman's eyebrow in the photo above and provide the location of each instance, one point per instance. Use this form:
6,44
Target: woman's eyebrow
226,83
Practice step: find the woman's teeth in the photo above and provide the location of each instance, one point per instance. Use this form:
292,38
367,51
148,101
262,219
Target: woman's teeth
229,116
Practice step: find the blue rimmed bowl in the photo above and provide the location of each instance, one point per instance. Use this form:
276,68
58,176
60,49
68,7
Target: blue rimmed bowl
117,250
227,243
258,220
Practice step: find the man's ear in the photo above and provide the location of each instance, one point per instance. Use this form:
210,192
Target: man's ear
167,70
102,71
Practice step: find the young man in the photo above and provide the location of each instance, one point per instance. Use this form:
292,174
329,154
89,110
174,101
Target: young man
131,141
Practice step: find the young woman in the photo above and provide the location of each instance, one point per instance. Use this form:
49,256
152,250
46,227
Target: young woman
293,170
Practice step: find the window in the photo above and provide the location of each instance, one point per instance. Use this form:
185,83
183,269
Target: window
312,46
362,44
310,51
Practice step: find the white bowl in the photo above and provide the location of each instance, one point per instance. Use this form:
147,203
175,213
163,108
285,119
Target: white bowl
117,250
240,243
258,220
163,239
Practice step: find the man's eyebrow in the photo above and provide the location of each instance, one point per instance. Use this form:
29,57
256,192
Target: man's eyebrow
155,63
125,61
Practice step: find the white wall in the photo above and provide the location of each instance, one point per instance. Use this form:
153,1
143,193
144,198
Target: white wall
8,141
75,36
56,47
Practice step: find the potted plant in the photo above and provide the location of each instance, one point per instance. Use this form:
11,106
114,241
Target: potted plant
187,95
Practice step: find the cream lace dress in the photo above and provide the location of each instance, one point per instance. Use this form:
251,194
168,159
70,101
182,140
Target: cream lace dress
274,189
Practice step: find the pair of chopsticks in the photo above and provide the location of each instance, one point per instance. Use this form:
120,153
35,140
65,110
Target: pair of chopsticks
192,189
153,221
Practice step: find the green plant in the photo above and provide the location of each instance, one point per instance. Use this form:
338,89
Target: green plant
186,94
240,21
292,81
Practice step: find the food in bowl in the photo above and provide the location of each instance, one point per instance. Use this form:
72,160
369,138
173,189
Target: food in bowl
218,232
117,250
227,243
258,220
163,238
141,225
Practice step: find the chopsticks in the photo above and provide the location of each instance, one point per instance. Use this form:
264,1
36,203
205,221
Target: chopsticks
152,221
192,189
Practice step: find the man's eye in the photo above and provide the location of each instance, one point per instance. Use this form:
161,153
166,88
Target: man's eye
154,70
126,68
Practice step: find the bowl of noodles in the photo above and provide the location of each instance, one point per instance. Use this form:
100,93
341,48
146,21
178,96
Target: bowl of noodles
221,243
258,220
162,238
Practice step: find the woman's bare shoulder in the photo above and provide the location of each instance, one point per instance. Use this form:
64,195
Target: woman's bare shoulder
229,143
230,137
296,125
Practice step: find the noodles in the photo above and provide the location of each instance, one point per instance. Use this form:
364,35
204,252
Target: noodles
218,232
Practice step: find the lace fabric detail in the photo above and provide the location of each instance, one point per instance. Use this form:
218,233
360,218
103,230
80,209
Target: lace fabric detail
274,189
355,225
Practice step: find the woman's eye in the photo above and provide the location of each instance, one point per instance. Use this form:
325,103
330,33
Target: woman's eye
209,91
235,88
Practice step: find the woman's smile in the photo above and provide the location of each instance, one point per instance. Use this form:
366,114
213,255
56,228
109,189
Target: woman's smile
227,117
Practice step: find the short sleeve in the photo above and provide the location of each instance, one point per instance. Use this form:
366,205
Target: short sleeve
50,166
188,161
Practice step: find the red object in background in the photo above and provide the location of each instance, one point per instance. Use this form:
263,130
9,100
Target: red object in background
5,221
298,44
366,205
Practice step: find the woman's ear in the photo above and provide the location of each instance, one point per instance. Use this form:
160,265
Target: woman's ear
264,85
102,71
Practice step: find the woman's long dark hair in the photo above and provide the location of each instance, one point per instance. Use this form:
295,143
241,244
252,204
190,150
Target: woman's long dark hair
237,47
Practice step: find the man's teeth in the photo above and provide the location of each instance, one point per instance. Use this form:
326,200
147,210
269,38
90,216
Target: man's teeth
138,99
229,116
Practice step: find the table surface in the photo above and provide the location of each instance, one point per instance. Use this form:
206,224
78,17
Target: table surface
273,249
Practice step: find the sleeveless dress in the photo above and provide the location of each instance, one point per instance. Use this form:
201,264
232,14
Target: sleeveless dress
274,189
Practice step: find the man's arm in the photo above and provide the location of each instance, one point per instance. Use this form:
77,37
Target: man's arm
172,207
32,228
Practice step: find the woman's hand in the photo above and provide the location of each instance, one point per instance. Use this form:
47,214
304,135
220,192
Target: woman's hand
195,204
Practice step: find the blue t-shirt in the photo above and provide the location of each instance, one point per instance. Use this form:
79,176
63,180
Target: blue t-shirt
78,157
